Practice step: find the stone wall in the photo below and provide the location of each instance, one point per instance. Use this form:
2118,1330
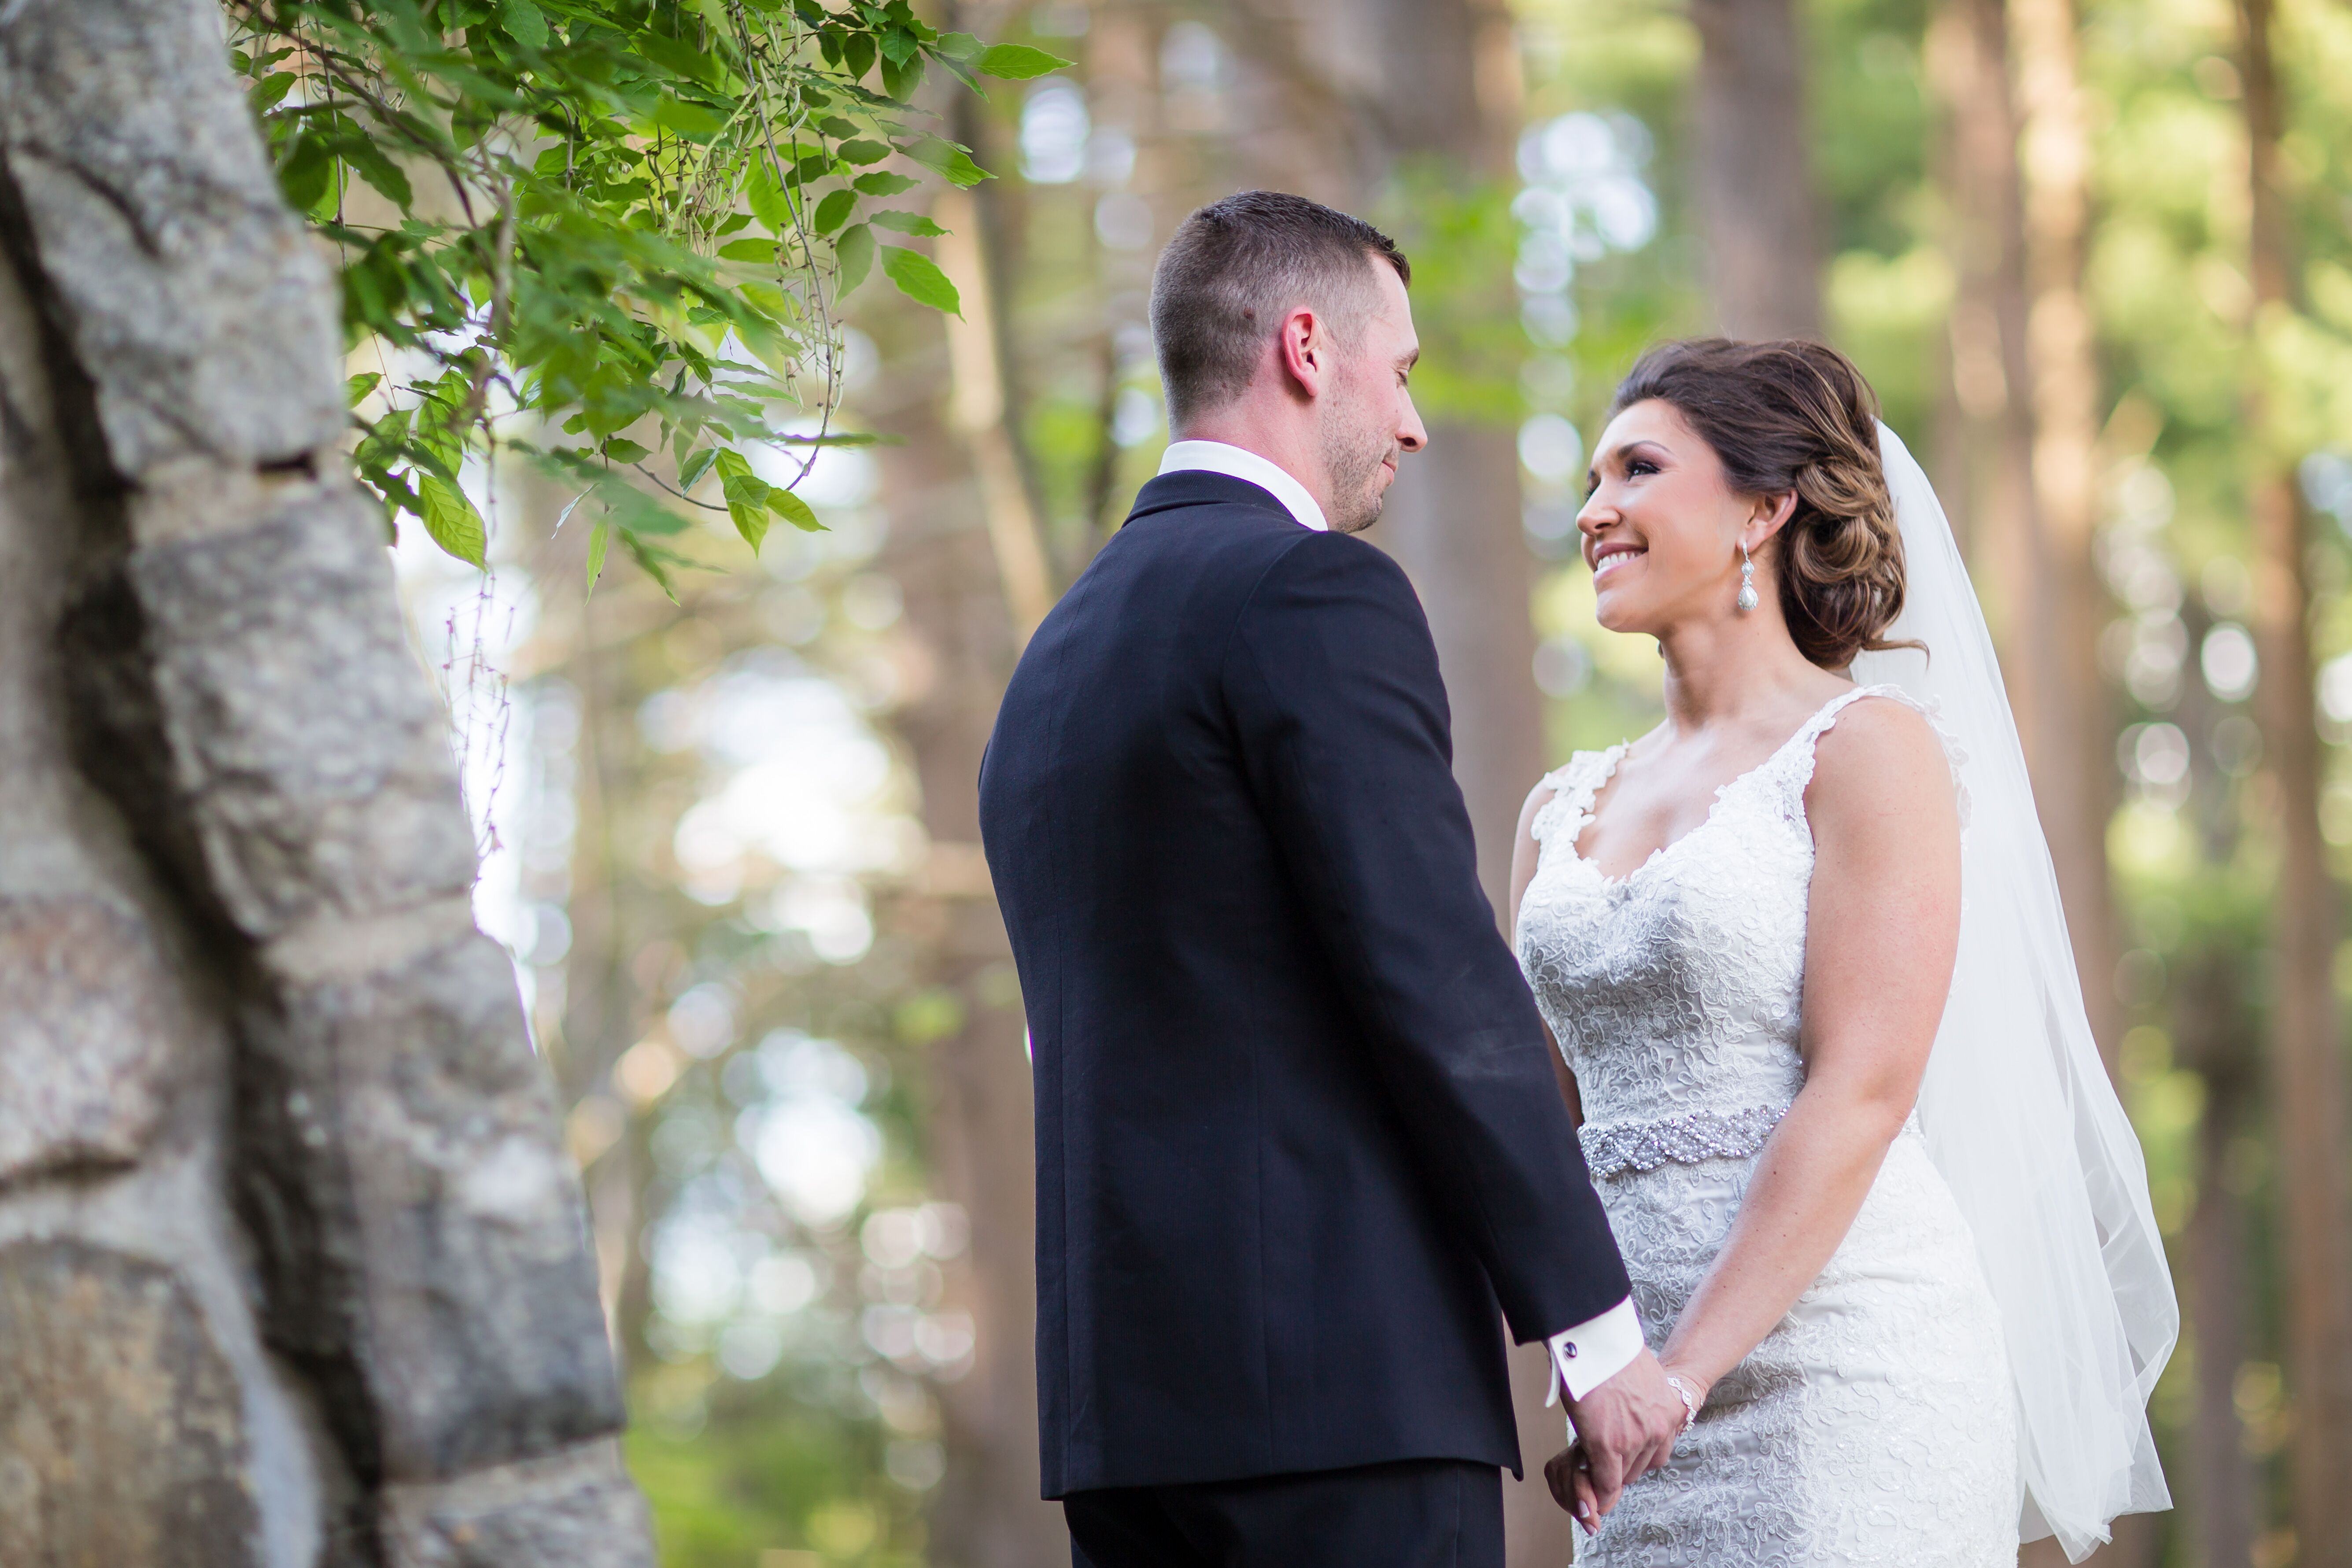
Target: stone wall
292,1269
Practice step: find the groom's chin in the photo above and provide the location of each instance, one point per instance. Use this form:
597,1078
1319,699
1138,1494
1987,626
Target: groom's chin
1363,514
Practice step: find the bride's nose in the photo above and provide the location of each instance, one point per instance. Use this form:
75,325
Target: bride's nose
1596,513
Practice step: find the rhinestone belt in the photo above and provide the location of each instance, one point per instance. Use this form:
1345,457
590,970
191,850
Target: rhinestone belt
1613,1148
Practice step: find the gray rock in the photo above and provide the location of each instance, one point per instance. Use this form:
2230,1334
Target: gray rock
569,1511
191,298
87,1012
215,698
122,1429
314,764
400,1141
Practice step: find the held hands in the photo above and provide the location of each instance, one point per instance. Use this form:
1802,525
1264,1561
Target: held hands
1625,1429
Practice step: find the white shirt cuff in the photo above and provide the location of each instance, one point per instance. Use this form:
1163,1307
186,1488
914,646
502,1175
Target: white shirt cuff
1591,1353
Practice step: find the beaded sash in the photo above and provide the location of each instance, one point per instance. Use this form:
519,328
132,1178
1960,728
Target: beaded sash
1613,1148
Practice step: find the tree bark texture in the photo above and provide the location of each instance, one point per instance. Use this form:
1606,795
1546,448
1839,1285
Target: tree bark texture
2306,1032
292,1268
1756,204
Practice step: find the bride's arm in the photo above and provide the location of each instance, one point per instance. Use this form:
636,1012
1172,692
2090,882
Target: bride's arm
1881,934
1525,852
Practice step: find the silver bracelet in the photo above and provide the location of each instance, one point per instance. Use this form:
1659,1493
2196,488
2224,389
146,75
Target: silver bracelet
1690,1401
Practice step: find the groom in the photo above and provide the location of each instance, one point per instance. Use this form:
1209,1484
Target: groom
1297,1136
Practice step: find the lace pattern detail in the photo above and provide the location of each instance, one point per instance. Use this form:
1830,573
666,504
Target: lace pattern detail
1873,1426
1614,1148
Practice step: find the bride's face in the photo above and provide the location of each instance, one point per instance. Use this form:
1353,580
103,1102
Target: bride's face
1662,527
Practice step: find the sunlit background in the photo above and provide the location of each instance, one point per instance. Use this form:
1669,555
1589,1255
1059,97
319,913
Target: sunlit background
730,841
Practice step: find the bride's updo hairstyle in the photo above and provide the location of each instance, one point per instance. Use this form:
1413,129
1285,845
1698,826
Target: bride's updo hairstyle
1794,415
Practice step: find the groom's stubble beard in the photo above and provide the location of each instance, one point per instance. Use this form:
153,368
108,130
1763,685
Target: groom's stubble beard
1353,450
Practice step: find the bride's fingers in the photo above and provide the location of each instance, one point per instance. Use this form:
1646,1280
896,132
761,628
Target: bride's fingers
1572,1486
1559,1473
1607,1474
1563,1472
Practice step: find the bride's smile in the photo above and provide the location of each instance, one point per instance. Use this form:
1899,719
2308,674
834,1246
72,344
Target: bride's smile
1607,558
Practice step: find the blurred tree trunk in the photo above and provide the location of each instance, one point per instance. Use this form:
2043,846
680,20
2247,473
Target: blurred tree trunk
963,549
2221,1481
2306,1042
1755,190
2212,1037
967,551
2026,383
2065,716
1991,380
987,1513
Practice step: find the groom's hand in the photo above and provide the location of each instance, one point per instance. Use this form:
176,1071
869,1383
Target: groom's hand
1625,1429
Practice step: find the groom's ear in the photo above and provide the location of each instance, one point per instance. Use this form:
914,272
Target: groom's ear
1303,348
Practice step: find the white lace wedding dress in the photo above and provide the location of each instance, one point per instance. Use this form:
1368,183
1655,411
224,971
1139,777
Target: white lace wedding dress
1875,1425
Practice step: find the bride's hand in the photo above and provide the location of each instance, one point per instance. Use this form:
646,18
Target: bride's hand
1569,1473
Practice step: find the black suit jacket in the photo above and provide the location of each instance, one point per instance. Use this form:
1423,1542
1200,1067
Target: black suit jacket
1296,1134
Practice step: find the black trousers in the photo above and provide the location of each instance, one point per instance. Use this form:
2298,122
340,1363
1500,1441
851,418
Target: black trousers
1419,1513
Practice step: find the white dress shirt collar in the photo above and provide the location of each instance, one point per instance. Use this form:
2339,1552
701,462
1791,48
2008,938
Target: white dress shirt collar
1236,462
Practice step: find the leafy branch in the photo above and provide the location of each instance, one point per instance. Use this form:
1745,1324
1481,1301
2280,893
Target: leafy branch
610,236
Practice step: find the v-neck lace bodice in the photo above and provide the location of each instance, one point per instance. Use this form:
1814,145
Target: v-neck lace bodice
1675,988
1604,768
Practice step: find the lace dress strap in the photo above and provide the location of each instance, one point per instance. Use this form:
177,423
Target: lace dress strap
1574,784
1792,771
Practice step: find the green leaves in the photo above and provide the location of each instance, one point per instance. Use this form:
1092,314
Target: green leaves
854,251
663,203
690,120
834,211
905,223
794,510
451,520
947,159
765,196
1016,62
525,23
752,501
747,498
919,278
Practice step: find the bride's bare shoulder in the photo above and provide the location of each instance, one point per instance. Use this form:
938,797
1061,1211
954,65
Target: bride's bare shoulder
1881,763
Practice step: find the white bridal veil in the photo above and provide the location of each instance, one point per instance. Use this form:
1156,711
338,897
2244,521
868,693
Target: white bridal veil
2018,1110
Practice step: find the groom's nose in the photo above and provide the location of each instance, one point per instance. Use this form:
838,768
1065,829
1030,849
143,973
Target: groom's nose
1411,433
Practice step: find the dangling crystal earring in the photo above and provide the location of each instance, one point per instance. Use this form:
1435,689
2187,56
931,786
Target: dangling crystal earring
1748,599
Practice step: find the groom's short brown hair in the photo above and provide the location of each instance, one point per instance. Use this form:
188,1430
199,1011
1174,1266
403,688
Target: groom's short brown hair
1234,269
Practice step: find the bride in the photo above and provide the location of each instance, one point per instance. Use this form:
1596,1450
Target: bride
1801,952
